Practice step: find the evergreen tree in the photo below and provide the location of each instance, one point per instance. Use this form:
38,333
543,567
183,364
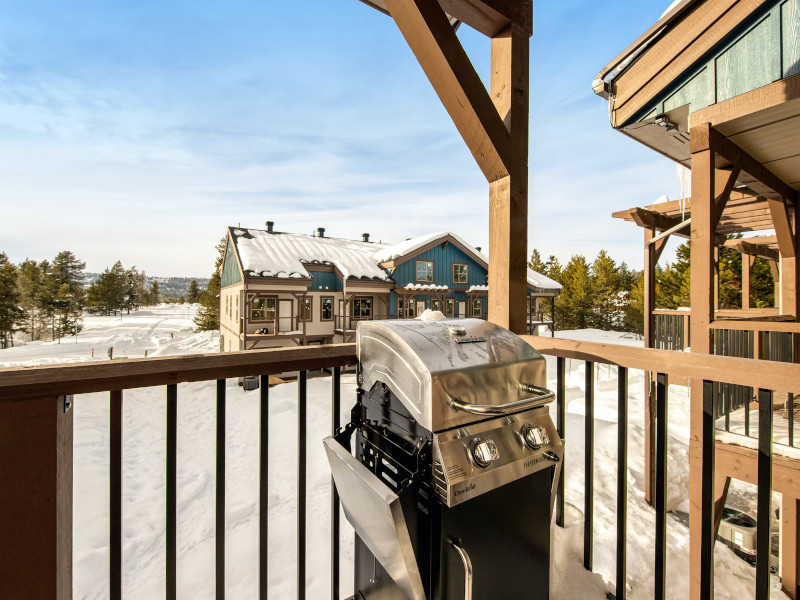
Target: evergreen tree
634,311
536,263
65,292
193,292
155,294
574,304
11,315
207,317
606,297
107,294
31,284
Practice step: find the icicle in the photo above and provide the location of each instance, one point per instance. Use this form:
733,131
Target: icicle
685,187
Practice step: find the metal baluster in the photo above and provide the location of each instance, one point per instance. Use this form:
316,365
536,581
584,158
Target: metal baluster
707,529
748,399
588,521
336,393
790,406
115,493
662,389
172,491
263,490
622,480
220,516
301,485
562,414
763,532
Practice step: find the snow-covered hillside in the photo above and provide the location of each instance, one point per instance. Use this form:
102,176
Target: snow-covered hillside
168,330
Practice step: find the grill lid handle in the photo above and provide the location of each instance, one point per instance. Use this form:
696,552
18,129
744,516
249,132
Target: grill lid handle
542,397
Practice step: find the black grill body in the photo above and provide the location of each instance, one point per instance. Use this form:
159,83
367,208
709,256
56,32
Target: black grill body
506,531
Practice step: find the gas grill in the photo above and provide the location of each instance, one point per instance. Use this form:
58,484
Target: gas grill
449,463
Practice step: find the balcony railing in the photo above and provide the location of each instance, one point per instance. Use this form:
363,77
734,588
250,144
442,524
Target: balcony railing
27,384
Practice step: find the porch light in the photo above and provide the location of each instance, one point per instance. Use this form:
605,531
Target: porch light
663,121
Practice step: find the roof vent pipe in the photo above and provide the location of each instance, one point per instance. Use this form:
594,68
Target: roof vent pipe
478,248
320,232
365,237
269,226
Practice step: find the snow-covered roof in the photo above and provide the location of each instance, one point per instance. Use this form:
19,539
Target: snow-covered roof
478,288
282,255
427,287
409,246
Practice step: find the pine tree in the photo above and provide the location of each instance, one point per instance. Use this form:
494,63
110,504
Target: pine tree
606,286
193,292
574,304
634,311
31,283
11,315
536,263
64,283
155,294
207,317
107,294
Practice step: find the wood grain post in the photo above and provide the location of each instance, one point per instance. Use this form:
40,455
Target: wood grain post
35,500
702,302
649,388
747,263
790,540
508,196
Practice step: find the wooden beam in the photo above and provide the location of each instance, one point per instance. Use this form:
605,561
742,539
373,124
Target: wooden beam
790,540
704,137
508,197
747,263
653,220
783,227
490,17
725,182
431,38
36,499
746,247
702,303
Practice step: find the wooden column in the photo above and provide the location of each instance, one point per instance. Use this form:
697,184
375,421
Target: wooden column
790,540
702,303
747,264
35,500
508,196
716,276
649,388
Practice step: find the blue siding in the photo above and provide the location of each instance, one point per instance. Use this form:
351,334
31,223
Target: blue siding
443,259
231,273
324,281
763,50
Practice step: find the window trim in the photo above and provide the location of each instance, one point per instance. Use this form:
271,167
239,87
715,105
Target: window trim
439,302
466,273
474,302
353,317
250,309
308,310
321,308
450,302
416,271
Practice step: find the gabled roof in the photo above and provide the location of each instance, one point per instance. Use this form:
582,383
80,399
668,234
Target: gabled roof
410,248
283,255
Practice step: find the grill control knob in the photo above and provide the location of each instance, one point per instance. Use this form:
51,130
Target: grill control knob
484,453
535,437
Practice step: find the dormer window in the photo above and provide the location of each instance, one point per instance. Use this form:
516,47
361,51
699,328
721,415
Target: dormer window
424,271
460,272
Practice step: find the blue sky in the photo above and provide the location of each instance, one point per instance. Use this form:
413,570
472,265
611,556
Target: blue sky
140,130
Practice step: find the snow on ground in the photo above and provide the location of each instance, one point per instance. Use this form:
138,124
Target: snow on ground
144,479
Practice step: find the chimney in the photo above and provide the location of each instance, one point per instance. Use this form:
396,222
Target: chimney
269,226
478,248
365,237
320,232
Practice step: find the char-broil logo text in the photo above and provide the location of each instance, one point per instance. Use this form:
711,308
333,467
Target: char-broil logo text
469,488
535,461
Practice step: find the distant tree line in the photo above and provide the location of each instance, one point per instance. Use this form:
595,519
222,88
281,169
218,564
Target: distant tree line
47,299
608,295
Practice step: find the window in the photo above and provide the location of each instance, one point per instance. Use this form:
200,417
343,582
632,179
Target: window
227,306
262,309
460,272
436,304
326,309
477,307
237,308
305,305
425,270
362,308
449,307
400,311
412,308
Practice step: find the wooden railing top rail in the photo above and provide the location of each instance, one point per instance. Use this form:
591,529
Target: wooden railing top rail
21,383
671,311
779,326
740,371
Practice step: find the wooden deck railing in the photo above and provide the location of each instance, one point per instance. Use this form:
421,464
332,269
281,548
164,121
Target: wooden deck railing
21,384
710,372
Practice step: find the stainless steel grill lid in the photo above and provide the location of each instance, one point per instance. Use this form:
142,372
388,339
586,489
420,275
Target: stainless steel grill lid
451,371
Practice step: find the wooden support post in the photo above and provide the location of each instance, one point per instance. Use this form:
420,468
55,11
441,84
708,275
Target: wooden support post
508,196
790,540
650,260
747,264
702,302
36,499
716,277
